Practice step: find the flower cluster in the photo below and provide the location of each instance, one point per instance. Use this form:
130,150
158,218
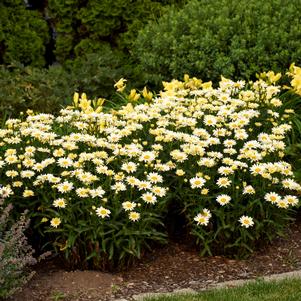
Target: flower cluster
219,150
84,164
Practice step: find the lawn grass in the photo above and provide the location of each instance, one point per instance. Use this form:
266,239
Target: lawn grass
259,290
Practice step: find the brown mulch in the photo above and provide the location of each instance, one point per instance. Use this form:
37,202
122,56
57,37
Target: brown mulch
173,267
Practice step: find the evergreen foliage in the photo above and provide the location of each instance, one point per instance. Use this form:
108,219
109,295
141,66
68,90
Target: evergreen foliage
24,34
233,38
91,26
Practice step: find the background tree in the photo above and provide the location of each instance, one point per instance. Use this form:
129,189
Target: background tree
24,34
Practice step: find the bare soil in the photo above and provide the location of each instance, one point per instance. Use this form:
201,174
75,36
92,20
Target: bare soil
175,266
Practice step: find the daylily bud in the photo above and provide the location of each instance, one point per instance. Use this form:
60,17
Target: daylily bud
75,98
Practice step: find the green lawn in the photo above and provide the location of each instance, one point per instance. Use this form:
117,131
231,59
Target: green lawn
285,290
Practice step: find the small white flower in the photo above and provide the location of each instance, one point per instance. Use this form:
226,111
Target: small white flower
103,212
223,182
60,203
55,222
154,177
65,187
128,206
149,198
223,199
272,197
282,203
197,182
134,216
246,221
291,200
129,167
201,219
5,192
249,190
65,162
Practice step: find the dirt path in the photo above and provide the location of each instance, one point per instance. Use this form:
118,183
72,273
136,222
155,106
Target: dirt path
175,266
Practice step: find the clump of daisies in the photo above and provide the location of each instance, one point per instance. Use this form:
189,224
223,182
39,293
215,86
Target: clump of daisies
94,188
227,148
100,182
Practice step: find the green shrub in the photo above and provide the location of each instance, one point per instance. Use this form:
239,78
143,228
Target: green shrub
88,27
15,253
96,73
209,38
24,34
48,90
44,90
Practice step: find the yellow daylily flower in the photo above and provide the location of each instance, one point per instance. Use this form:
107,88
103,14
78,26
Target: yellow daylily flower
147,94
134,96
120,85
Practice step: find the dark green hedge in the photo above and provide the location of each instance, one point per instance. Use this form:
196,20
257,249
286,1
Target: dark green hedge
24,34
77,27
91,26
236,38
